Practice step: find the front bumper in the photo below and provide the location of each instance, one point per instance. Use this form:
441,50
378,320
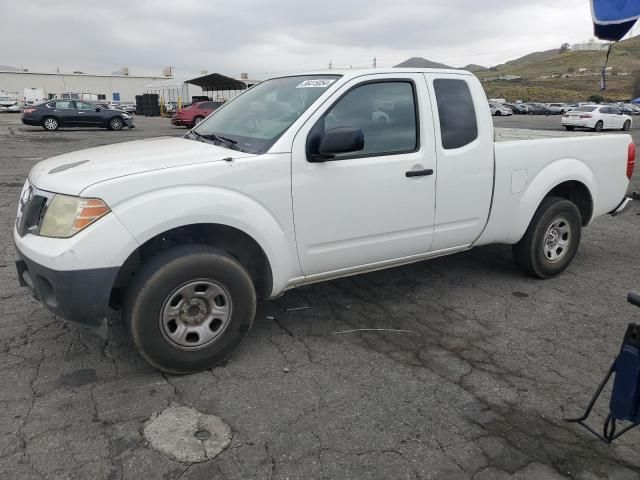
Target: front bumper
180,122
129,122
77,295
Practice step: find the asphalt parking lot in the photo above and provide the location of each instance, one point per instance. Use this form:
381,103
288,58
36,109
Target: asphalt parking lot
474,387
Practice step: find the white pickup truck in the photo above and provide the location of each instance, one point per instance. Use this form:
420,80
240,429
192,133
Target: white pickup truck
301,179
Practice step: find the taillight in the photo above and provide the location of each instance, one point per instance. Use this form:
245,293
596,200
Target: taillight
631,159
587,115
28,110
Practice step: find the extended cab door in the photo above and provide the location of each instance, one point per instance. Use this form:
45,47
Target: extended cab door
464,142
375,204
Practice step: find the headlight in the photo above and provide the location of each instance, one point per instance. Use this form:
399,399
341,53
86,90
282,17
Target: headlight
125,115
65,216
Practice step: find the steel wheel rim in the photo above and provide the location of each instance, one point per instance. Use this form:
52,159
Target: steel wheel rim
557,240
50,123
195,314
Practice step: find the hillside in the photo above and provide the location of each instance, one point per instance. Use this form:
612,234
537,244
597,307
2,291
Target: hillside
419,62
472,67
536,70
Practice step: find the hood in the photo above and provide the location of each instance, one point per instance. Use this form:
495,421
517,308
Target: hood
73,172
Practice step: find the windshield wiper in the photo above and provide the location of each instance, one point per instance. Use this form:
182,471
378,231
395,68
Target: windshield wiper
219,138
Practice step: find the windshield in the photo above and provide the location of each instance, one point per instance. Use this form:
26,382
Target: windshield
584,109
254,120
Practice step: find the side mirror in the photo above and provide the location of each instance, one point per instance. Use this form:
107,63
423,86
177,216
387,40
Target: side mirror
336,141
98,109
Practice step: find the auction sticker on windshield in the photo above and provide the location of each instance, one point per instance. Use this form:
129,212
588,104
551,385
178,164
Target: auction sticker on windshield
323,83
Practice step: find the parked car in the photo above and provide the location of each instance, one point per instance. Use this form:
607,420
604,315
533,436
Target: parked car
74,113
184,234
596,117
624,108
193,115
538,109
518,108
9,104
127,107
497,109
34,96
556,108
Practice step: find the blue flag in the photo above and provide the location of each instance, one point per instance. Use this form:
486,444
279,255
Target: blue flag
612,19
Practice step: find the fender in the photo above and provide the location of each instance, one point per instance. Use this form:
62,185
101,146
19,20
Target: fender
156,211
511,214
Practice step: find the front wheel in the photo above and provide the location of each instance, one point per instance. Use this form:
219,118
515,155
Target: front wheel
599,126
189,308
571,129
551,240
627,126
116,123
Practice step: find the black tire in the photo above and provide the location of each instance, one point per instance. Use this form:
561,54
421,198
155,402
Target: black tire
627,126
498,113
115,123
196,120
530,252
571,129
154,287
547,113
50,124
599,126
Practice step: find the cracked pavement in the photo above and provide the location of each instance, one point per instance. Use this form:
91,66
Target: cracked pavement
474,387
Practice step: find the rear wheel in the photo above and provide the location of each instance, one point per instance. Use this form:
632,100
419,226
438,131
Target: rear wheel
50,123
116,123
189,308
197,120
627,126
551,240
599,126
498,113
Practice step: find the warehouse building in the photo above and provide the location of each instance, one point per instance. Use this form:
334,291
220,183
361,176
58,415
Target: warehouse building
122,87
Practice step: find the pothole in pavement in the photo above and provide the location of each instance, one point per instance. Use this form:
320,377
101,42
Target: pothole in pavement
187,435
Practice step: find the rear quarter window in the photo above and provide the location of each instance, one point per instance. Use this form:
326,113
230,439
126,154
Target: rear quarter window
458,122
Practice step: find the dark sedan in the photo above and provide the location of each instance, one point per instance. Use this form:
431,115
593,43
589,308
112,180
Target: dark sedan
538,109
74,113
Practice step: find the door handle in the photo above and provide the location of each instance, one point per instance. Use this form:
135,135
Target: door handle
419,173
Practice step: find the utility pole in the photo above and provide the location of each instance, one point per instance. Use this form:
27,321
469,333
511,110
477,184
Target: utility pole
374,62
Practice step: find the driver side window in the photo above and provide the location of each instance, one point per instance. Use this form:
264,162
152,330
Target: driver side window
384,111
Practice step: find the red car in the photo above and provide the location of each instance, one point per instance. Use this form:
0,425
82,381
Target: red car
194,114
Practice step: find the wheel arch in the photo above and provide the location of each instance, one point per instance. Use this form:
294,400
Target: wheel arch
567,178
231,240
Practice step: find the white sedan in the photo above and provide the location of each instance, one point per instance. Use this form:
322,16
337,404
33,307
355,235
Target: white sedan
497,109
596,117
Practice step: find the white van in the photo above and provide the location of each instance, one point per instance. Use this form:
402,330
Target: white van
34,96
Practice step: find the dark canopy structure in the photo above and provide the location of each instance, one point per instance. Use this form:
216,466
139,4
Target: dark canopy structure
612,19
214,82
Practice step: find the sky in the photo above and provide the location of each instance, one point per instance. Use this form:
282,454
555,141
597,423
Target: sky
272,37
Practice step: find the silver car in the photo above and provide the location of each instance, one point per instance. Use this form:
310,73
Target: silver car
497,109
